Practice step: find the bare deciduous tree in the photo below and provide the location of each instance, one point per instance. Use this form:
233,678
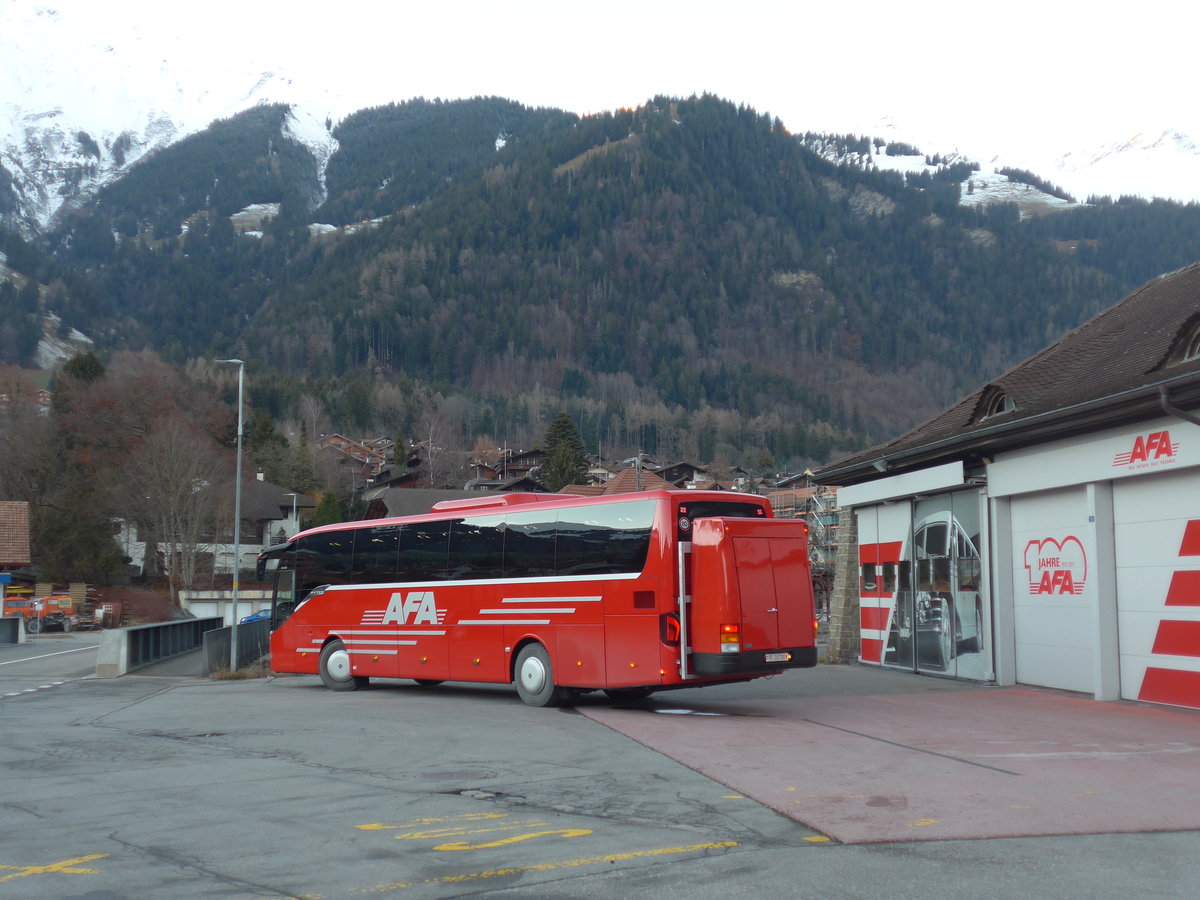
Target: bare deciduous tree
174,484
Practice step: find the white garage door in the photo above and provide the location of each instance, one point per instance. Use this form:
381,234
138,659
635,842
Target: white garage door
1157,522
1053,589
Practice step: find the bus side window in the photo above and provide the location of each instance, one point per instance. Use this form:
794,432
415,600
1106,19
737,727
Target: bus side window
324,558
423,549
604,540
476,547
529,544
375,554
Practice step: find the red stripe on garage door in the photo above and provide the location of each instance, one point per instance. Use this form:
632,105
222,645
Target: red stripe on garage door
1184,589
1191,539
1177,638
1171,686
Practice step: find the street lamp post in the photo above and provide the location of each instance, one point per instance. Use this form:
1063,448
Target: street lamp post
237,518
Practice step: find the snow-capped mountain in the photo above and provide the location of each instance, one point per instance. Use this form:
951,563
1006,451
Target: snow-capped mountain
77,109
1153,163
81,100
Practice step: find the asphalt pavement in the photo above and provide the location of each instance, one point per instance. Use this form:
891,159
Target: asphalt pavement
833,782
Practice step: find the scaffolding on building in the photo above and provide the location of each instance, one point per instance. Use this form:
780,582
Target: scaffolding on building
817,505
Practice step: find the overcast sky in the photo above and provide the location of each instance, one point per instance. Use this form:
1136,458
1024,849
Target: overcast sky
983,77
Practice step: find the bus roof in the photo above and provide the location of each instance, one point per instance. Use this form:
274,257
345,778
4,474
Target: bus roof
510,498
499,502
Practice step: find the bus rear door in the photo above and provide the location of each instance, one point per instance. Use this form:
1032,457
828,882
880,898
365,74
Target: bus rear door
752,606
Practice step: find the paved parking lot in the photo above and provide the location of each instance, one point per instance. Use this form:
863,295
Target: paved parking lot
840,781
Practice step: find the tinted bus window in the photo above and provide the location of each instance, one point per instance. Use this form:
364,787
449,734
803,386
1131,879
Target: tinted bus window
375,554
710,509
324,558
604,540
529,544
477,547
423,547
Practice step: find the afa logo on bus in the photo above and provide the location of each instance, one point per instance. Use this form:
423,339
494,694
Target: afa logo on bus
419,605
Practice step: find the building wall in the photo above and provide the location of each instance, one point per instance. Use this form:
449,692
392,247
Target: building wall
1090,559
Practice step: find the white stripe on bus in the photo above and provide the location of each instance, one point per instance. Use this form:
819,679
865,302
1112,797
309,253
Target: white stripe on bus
562,609
551,599
390,633
504,622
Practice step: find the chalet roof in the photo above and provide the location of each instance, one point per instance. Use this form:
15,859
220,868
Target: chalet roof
622,483
263,501
1118,368
389,501
14,533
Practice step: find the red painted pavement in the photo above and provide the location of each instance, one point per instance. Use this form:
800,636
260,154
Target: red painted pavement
992,762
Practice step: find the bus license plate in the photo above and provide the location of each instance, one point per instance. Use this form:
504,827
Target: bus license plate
778,657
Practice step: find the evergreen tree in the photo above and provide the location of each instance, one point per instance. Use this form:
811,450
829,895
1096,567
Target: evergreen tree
565,462
328,511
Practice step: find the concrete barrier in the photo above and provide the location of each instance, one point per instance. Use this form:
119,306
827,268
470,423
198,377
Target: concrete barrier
123,650
12,630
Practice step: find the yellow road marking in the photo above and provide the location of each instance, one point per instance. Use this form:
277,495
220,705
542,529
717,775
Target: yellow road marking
922,822
465,817
549,867
819,839
67,866
565,832
439,833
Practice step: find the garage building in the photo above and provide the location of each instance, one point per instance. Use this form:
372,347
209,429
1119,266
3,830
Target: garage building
1045,530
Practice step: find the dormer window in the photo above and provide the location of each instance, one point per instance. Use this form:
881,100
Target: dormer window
1186,346
995,402
1191,349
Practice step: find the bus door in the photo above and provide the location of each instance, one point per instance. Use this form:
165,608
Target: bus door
773,575
686,516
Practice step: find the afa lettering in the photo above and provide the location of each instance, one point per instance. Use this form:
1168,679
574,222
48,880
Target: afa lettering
1152,446
1056,581
418,604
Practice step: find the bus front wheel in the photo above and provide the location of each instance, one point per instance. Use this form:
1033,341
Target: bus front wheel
335,670
535,677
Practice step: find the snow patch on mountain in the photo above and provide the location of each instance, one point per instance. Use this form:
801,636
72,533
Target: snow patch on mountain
80,103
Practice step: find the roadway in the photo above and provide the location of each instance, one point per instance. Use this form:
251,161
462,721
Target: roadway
838,782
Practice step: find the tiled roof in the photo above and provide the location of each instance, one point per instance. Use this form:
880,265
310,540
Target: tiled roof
14,533
1115,362
627,481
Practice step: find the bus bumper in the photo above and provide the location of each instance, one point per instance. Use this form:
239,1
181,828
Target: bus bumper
752,662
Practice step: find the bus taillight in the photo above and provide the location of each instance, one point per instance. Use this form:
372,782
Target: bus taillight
669,629
731,638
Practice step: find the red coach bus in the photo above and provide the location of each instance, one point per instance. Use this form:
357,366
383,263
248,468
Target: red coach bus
559,595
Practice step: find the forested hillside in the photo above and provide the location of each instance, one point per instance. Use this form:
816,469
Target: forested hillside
685,278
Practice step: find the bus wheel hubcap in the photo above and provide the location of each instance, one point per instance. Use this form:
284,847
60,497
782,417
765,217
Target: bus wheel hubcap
533,674
339,665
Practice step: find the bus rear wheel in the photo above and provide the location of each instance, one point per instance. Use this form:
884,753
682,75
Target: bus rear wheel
335,670
535,677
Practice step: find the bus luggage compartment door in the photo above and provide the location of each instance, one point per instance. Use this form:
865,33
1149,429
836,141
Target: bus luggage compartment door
774,582
752,602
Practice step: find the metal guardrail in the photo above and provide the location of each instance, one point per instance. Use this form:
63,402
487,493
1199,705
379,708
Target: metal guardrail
124,649
253,644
